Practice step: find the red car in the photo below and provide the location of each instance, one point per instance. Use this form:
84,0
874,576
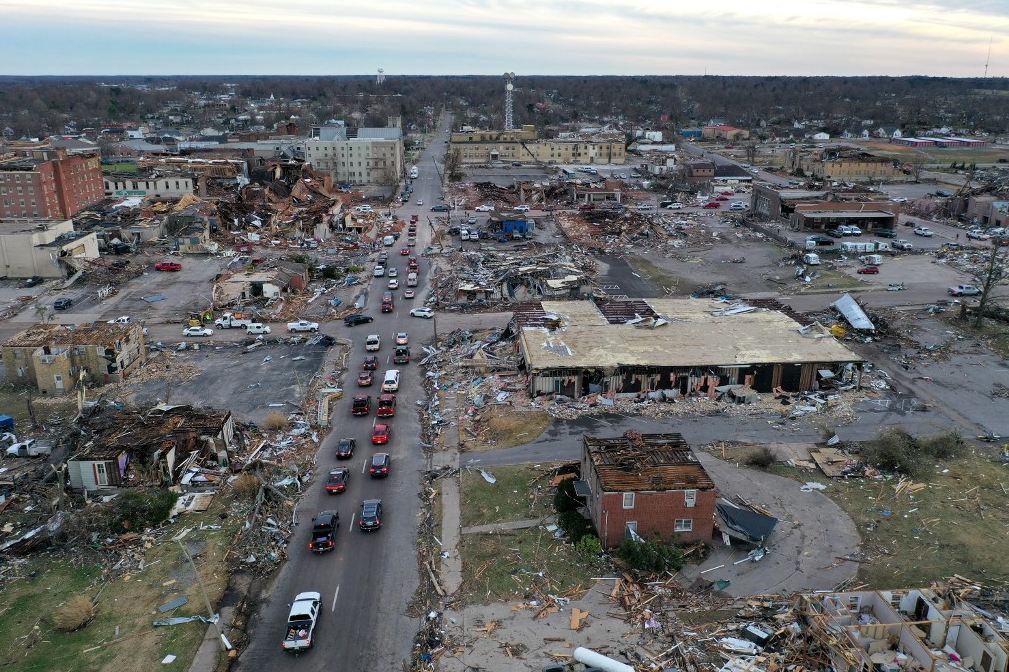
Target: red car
365,379
712,205
361,405
388,306
381,434
338,479
869,270
404,252
168,266
723,198
386,406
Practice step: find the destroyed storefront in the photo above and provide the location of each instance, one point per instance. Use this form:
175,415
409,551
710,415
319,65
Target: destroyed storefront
677,348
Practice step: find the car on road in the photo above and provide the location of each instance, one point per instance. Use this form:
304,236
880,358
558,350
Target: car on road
370,363
420,201
712,205
365,379
899,199
868,270
170,266
197,331
303,325
301,622
122,319
354,320
424,312
441,207
257,328
381,434
977,234
379,271
901,244
373,343
402,338
338,480
963,290
886,233
486,207
62,304
324,527
345,448
361,405
409,293
404,252
383,257
371,515
387,305
386,406
923,231
737,206
393,284
521,208
393,273
673,206
402,355
380,465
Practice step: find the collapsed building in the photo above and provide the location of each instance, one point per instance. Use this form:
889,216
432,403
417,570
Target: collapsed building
675,347
822,209
845,163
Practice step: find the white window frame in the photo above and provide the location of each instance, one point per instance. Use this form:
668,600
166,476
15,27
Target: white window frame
628,500
683,525
690,498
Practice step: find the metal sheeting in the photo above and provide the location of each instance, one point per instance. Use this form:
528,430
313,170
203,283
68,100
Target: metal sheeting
853,313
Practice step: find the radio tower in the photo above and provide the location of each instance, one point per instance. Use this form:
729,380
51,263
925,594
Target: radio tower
509,78
380,79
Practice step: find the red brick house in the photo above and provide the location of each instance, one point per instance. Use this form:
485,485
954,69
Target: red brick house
649,483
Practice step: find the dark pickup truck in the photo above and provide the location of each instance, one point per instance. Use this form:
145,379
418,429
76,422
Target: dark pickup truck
324,527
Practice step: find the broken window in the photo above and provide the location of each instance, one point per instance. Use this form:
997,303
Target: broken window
690,498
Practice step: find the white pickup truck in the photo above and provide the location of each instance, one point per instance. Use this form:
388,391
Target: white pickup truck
234,321
301,622
303,325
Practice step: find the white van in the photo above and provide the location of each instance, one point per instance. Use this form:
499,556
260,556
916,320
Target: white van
389,241
811,259
391,381
411,279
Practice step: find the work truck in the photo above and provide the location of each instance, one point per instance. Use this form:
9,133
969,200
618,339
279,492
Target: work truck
234,321
301,622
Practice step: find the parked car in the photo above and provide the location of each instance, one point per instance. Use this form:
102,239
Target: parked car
354,320
365,379
380,465
521,208
977,234
381,434
737,206
62,304
712,205
441,207
361,405
923,231
338,480
424,312
303,325
171,266
257,328
674,206
868,270
886,233
964,290
197,331
371,515
901,244
30,282
122,319
486,207
345,448
854,230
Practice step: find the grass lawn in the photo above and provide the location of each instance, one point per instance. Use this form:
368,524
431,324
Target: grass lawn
956,525
515,564
47,409
123,167
659,276
504,426
126,600
830,279
518,494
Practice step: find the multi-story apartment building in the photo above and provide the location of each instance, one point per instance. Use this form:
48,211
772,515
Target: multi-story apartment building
375,156
49,184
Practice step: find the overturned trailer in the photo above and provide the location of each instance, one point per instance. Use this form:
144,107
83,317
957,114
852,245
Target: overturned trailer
675,347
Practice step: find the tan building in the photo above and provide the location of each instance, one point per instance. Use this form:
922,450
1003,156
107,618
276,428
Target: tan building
477,147
51,357
46,248
375,156
724,132
846,164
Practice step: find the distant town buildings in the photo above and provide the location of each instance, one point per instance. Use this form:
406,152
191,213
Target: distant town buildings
479,147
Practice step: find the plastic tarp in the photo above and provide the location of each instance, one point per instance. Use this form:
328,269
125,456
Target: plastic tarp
743,524
853,313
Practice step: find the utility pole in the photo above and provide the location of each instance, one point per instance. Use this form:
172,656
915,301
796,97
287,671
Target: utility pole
434,319
225,644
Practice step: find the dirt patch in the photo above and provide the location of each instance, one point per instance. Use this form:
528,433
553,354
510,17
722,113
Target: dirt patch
503,426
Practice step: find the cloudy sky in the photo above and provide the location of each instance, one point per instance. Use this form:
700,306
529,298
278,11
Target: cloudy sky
749,37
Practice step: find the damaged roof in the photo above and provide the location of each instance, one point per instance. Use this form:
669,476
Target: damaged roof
642,462
95,333
694,332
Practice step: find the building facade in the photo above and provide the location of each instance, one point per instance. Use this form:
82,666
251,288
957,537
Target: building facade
647,486
155,187
30,247
374,156
523,145
846,164
49,184
51,357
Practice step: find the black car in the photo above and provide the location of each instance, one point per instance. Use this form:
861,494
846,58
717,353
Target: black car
380,465
441,207
345,449
62,304
886,233
354,320
324,527
370,363
30,282
371,515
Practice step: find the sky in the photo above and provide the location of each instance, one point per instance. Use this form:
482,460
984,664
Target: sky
557,37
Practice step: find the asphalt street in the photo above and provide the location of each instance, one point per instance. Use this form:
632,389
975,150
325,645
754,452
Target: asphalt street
369,580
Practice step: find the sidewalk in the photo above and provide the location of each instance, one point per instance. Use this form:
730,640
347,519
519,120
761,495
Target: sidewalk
510,525
451,562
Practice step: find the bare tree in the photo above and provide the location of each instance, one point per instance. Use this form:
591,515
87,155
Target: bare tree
751,152
993,274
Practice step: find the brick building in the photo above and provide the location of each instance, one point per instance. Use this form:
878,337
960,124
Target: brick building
646,484
49,184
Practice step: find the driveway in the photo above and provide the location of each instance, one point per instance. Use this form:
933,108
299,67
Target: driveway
802,553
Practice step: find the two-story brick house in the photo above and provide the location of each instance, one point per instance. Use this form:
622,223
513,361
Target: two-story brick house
648,484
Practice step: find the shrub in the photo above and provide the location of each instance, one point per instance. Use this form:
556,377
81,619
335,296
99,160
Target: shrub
331,273
896,450
762,458
565,498
943,446
575,525
276,421
74,615
589,546
246,486
650,556
139,509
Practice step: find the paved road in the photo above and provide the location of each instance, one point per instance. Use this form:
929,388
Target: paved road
367,583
